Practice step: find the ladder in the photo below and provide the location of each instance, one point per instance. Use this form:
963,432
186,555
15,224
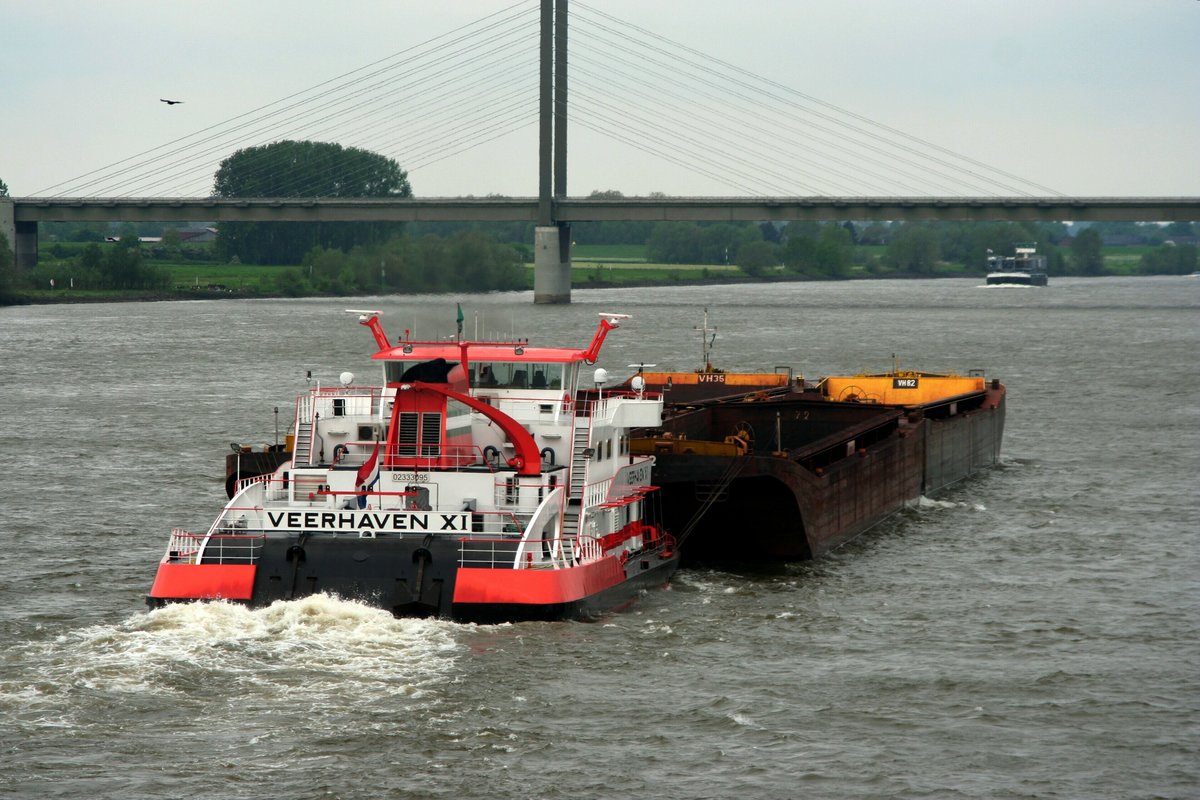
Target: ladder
578,482
302,448
578,460
302,454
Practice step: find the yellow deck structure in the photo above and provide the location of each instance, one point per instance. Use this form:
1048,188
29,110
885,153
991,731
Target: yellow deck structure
899,388
749,380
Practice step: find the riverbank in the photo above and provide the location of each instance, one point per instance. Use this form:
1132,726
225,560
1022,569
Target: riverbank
79,296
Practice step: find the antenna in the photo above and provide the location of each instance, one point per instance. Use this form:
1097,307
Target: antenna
705,342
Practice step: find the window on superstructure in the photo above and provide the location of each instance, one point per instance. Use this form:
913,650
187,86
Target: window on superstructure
392,370
518,375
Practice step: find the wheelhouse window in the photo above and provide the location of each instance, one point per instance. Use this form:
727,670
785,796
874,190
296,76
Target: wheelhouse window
435,371
520,375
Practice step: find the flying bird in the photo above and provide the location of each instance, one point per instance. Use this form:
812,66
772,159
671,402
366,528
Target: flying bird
171,102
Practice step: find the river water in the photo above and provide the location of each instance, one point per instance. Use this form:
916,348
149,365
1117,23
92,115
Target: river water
1032,633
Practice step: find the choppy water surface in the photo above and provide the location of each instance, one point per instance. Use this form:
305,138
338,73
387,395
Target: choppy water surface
1032,633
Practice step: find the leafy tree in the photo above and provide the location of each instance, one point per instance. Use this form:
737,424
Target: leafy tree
172,244
754,258
470,260
1170,259
73,231
875,233
1125,232
721,243
1087,252
290,283
834,251
800,253
3,188
770,232
122,264
914,248
674,243
92,257
689,243
304,169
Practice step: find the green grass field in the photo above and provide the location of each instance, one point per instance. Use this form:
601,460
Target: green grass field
608,252
599,265
239,277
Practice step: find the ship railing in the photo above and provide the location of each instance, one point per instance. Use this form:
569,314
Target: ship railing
498,524
437,457
487,553
484,553
346,401
244,483
587,549
514,493
193,548
603,406
596,492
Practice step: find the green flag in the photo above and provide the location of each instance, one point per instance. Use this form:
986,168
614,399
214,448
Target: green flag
460,320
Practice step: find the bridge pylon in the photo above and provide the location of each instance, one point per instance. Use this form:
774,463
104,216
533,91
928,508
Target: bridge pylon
552,237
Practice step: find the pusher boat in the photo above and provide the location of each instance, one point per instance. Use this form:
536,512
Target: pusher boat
482,482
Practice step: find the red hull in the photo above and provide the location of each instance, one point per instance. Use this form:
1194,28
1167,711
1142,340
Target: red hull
534,586
435,585
204,582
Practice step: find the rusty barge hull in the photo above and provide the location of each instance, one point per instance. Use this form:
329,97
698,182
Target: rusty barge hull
794,475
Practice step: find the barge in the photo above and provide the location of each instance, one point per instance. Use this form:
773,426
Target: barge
792,473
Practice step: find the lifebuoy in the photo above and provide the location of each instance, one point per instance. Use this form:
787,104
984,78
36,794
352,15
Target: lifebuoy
340,452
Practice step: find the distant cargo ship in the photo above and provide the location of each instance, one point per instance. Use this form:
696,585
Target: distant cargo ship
1025,268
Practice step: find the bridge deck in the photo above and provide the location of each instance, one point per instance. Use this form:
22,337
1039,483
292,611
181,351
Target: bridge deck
441,209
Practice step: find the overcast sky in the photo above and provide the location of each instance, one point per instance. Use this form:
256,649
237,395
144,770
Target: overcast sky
1088,97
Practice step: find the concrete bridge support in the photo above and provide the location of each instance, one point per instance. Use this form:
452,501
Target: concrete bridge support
8,224
22,236
552,264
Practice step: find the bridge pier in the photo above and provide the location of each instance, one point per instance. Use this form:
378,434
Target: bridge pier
552,264
22,236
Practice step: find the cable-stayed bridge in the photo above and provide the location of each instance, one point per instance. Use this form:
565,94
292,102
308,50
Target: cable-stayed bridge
500,84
